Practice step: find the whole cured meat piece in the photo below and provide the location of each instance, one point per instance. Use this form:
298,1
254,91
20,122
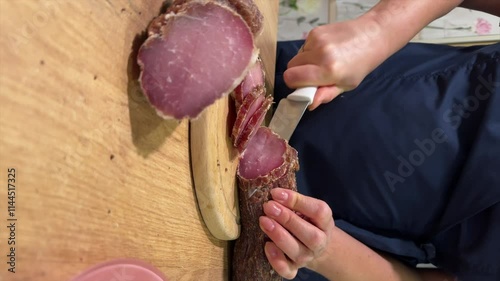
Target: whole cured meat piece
246,8
265,154
194,56
255,79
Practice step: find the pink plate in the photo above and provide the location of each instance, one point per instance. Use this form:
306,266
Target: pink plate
122,270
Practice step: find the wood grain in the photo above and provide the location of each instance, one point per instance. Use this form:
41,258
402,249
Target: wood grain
98,175
214,160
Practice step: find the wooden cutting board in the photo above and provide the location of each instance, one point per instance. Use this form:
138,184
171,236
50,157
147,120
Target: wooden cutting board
213,158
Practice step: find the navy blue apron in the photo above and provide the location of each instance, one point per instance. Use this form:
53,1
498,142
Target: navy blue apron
409,161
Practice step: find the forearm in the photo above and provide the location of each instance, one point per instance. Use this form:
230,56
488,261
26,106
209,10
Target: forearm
347,259
321,246
400,20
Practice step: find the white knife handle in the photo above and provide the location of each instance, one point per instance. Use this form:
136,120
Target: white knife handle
303,94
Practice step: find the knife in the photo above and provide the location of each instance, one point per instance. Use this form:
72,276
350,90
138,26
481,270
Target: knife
290,110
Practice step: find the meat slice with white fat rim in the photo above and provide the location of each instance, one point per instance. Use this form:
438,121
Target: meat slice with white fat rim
254,80
247,9
193,57
250,116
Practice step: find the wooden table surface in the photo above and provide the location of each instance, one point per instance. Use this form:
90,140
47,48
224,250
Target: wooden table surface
98,175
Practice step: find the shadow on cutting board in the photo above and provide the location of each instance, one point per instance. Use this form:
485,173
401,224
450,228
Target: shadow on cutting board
149,130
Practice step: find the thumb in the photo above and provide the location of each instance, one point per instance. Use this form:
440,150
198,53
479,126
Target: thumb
325,94
305,75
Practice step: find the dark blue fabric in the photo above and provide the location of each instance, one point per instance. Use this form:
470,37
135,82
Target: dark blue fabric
409,161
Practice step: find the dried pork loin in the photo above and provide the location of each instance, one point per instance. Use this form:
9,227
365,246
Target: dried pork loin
196,53
267,162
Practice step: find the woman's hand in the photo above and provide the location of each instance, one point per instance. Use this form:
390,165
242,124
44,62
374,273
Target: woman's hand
337,57
296,242
316,243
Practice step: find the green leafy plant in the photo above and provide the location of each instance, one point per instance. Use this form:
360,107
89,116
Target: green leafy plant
290,4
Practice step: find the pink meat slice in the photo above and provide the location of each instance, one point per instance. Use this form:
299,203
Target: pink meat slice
251,104
264,153
194,57
288,162
246,8
253,124
254,79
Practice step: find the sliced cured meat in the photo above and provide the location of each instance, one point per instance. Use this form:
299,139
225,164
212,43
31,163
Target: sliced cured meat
260,170
255,79
254,122
194,56
243,115
250,12
252,103
255,92
265,154
246,8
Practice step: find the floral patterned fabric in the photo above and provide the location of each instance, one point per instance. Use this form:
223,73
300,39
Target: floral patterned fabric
298,17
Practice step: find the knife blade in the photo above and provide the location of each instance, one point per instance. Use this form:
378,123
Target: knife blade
290,110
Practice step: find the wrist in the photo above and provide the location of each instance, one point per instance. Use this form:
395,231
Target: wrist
371,42
344,256
402,20
375,23
323,263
